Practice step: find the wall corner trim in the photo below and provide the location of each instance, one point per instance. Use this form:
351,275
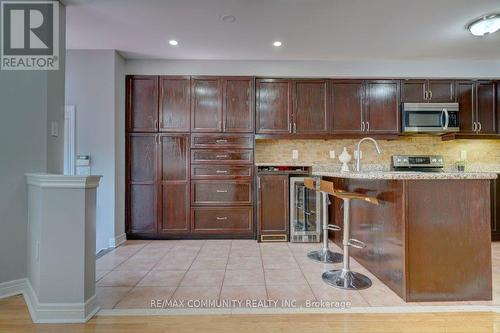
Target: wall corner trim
117,240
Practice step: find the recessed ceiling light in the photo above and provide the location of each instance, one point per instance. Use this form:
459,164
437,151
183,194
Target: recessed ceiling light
228,18
485,25
277,43
173,42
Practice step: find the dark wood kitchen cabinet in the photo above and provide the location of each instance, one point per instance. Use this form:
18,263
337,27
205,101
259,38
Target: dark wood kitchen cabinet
495,209
142,103
141,184
311,112
477,100
222,104
206,104
382,106
175,103
174,183
348,98
273,207
238,104
425,91
273,109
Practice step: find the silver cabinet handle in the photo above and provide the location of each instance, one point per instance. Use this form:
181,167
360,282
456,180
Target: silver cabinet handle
221,141
367,126
295,127
474,127
156,124
426,95
290,127
480,126
221,191
221,217
221,171
362,126
221,156
430,94
258,182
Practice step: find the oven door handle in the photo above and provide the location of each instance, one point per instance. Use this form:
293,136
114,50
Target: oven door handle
446,119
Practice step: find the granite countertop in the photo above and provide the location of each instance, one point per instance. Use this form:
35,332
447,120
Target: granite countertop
404,175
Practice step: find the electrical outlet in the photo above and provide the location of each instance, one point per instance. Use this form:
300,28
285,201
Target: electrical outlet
295,154
360,154
332,154
463,155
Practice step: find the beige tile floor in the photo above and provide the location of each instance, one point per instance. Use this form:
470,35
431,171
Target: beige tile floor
133,274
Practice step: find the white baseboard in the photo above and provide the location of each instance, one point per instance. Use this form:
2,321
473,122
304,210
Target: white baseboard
12,288
49,312
117,241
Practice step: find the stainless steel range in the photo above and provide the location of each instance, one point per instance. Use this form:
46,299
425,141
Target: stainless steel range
425,163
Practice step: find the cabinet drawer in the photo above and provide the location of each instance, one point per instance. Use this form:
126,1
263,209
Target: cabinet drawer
221,219
221,141
222,156
221,192
221,171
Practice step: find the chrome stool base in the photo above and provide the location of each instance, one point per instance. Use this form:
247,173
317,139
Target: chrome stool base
346,280
325,257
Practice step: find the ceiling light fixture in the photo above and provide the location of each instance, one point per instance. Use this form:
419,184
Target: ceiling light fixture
485,25
277,43
173,42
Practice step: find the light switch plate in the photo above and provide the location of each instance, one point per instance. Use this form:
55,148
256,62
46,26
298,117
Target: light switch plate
332,154
54,129
463,155
360,154
295,154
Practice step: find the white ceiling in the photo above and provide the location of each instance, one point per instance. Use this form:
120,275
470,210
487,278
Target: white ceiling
309,29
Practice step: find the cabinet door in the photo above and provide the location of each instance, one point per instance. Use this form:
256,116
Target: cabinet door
348,105
485,107
382,106
273,210
142,103
237,105
206,105
175,98
465,99
495,209
141,184
441,91
311,111
174,188
273,106
413,91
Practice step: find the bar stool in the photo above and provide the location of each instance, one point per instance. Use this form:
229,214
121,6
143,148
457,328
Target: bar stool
324,255
345,278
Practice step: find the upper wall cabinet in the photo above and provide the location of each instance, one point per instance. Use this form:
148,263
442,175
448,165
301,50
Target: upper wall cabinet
142,103
382,107
206,104
237,106
427,91
477,100
175,99
273,106
222,104
348,98
311,108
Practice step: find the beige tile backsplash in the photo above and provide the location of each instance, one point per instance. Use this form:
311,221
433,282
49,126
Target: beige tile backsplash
482,155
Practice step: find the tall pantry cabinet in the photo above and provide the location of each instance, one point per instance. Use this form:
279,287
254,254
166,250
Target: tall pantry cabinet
189,156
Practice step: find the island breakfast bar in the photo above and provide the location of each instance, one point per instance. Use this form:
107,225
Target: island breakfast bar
429,239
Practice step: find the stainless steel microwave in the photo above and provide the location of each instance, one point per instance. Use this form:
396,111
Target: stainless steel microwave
430,118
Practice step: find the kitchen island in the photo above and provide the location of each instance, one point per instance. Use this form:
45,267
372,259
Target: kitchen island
429,239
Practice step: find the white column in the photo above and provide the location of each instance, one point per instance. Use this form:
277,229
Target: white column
61,247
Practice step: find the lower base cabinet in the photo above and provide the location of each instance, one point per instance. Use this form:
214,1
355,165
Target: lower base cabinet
222,220
273,208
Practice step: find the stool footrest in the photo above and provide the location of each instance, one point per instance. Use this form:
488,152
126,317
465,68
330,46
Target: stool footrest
356,243
333,227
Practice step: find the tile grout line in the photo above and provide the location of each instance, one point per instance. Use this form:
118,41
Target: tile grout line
225,269
302,272
185,272
263,270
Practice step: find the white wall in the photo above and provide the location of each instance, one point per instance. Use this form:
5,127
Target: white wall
365,69
29,100
119,146
90,85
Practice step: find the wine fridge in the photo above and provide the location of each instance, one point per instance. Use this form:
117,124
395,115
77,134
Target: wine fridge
305,213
